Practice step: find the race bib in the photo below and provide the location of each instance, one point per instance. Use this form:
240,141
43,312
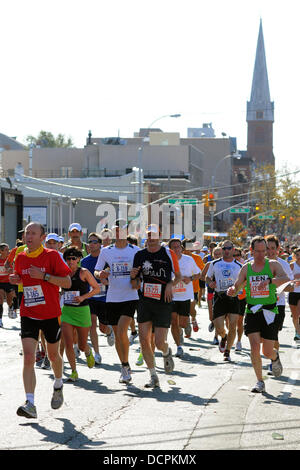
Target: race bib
152,291
69,297
3,271
256,291
179,288
102,292
226,283
33,296
120,269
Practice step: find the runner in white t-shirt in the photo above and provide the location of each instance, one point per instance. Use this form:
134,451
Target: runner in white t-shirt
183,292
121,298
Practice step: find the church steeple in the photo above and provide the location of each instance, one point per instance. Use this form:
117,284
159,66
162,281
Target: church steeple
260,109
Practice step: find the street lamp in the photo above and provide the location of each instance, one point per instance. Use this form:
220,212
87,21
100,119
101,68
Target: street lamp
140,156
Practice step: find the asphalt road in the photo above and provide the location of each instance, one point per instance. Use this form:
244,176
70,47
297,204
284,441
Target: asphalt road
204,404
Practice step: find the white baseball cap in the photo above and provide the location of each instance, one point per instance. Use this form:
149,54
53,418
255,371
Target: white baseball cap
75,226
52,236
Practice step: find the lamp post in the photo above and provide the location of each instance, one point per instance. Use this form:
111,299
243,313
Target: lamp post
140,157
213,178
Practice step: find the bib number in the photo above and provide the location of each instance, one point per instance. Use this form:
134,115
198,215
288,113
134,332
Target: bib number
180,288
152,291
120,269
256,291
69,297
33,296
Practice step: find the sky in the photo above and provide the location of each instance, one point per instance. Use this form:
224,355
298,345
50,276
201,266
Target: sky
115,66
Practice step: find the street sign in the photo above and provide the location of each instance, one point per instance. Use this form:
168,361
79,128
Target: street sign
182,201
239,210
266,217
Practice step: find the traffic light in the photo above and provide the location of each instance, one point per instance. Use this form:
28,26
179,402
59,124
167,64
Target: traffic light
205,199
211,199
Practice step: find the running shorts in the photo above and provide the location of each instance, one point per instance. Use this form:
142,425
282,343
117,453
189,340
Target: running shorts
294,298
159,313
99,308
115,310
30,328
256,323
7,287
223,304
182,307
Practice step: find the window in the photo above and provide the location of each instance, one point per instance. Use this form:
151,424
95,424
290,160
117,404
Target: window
259,115
66,171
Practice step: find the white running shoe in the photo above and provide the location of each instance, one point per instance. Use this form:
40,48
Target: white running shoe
125,375
259,387
168,362
179,352
238,346
77,351
111,337
98,358
132,337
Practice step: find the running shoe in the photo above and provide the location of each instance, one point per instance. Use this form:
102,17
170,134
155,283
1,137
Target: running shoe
98,358
270,372
46,363
211,327
195,326
90,360
181,337
125,376
77,351
259,387
111,337
28,410
215,341
223,344
297,337
179,352
153,383
168,362
57,398
1,323
227,357
238,346
10,312
14,314
73,377
132,337
188,330
140,360
277,367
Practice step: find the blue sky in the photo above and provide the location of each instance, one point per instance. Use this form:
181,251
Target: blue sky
115,66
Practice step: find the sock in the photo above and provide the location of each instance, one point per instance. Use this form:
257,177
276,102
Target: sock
152,371
125,364
30,397
167,353
58,383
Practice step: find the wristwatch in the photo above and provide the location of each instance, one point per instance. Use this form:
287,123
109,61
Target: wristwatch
47,277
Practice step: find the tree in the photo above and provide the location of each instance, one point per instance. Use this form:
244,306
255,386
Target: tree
237,233
46,139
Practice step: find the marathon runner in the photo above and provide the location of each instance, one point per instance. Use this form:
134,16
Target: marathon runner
273,248
6,289
97,303
76,311
183,292
216,254
42,272
75,234
260,277
121,299
155,266
294,297
225,270
187,245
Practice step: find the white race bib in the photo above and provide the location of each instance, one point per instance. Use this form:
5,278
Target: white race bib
180,288
152,291
120,269
70,295
33,296
256,291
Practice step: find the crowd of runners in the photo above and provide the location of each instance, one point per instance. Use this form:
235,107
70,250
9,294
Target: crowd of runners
65,290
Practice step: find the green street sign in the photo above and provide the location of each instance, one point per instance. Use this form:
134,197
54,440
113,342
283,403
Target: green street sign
266,217
182,201
240,210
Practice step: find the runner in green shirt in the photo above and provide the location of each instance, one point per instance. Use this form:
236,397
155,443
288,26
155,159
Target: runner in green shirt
260,277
